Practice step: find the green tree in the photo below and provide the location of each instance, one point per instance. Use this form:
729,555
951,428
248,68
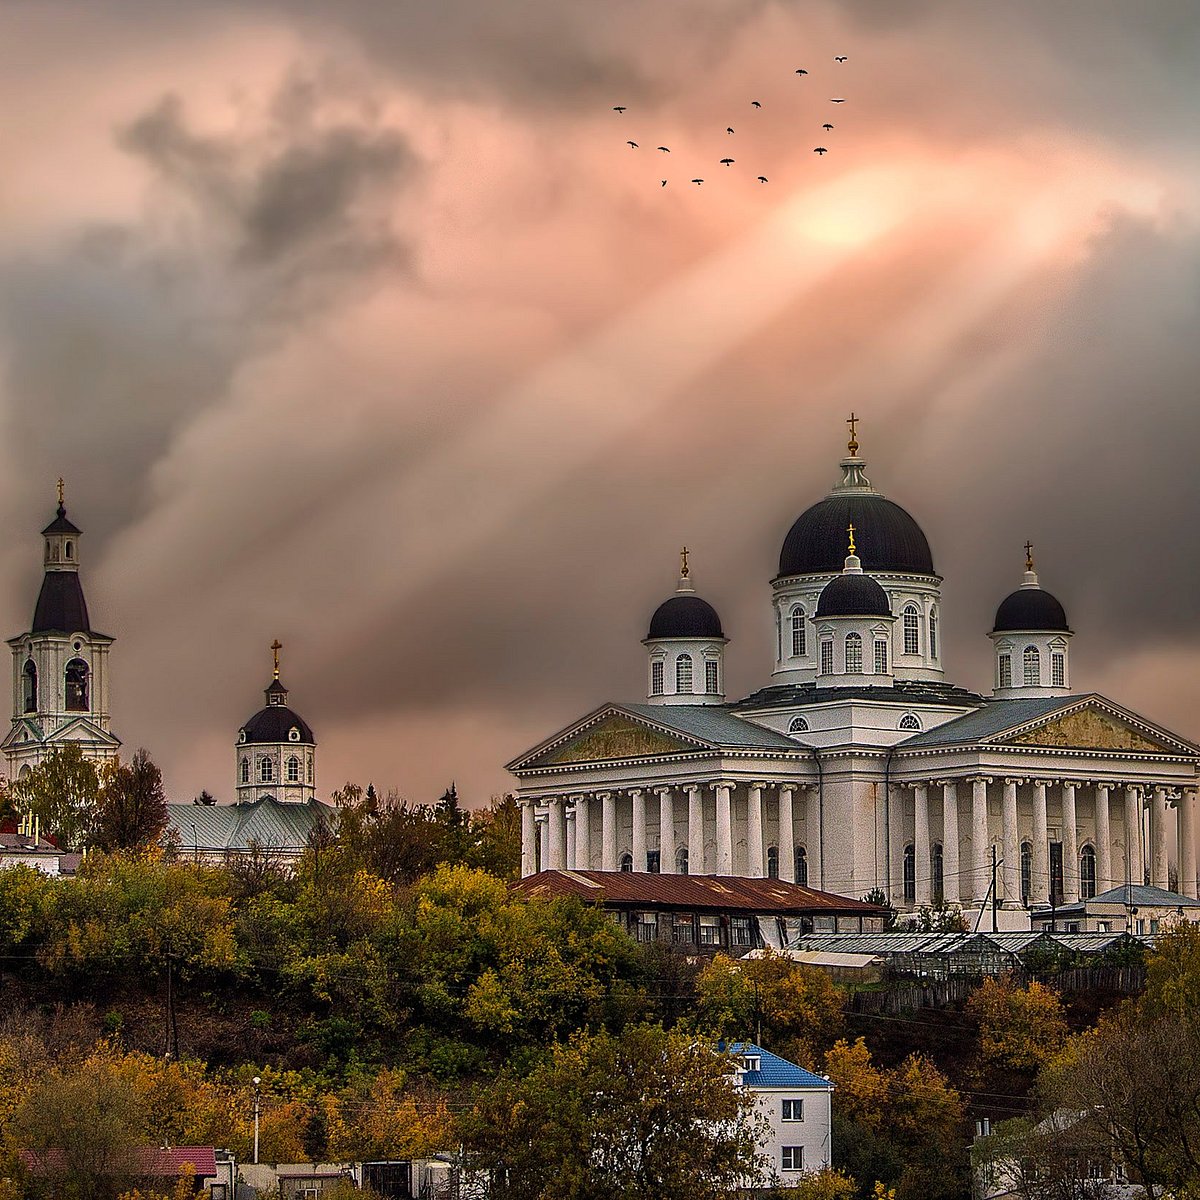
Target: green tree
829,1184
63,794
133,806
640,1115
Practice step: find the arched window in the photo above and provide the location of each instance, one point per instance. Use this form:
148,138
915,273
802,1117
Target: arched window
912,630
827,657
712,677
1033,666
799,633
881,661
1087,872
627,861
29,686
933,633
68,549
681,861
801,865
910,874
798,725
77,685
1005,670
854,654
910,721
1026,872
772,862
937,862
245,770
683,673
657,683
266,771
293,769
1058,670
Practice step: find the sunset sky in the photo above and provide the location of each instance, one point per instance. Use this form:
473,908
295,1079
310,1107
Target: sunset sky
359,325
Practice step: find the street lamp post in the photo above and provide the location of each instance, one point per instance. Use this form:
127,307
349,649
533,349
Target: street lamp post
257,1081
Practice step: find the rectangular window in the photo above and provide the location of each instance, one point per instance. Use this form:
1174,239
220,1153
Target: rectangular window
710,931
933,635
799,649
656,678
881,658
1006,670
793,1110
826,658
854,654
912,631
740,932
712,681
1058,670
654,861
647,927
793,1158
683,929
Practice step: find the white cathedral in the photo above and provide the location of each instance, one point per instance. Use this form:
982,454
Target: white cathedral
859,766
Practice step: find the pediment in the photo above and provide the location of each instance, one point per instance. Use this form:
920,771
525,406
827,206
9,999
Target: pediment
1093,727
613,736
84,731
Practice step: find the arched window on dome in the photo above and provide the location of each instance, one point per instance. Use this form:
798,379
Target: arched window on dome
910,874
937,863
77,685
29,687
772,862
854,661
798,725
933,633
801,865
627,862
911,722
681,861
912,630
683,674
293,769
1004,678
266,770
1026,872
881,658
1058,669
1033,666
799,633
1087,873
245,776
657,677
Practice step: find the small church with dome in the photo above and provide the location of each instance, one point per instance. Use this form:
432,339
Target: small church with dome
859,766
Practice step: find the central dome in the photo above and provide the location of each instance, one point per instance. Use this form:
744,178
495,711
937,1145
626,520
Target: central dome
889,538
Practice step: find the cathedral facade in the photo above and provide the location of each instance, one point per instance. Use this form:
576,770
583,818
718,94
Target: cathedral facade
859,766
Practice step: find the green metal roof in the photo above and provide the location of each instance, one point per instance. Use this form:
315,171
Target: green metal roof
267,824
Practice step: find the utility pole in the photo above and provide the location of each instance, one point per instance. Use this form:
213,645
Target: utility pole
995,897
257,1081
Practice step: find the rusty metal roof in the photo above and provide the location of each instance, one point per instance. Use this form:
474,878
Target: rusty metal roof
718,892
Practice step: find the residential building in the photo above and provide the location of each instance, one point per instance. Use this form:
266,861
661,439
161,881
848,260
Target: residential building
1135,908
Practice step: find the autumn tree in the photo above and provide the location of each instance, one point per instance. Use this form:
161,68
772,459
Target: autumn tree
1048,1159
1020,1028
829,1184
62,793
132,806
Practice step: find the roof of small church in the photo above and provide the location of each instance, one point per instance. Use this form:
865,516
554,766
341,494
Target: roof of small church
61,607
685,616
1030,609
268,824
889,537
60,524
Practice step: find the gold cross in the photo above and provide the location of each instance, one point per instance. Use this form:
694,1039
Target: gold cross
276,646
1029,556
683,563
852,444
61,490
850,531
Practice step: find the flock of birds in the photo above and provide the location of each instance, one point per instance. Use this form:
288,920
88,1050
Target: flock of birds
827,127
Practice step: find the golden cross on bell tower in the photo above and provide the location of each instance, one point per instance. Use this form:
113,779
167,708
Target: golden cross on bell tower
1029,556
276,646
683,563
852,444
62,488
850,531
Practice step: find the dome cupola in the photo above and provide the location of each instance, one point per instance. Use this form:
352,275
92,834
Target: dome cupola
1030,635
685,645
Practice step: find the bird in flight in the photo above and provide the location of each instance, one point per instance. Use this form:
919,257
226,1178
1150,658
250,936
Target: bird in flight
697,181
762,179
728,129
826,126
839,58
633,144
837,101
756,104
820,150
618,108
725,162
801,71
664,183
665,149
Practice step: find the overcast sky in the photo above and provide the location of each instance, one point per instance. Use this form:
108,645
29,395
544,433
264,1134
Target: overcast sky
359,325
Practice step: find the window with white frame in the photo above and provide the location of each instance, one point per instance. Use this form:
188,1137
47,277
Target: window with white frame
1058,670
854,654
266,771
712,679
792,1158
1087,873
710,931
741,931
881,661
683,673
798,725
245,770
791,1110
912,630
657,677
799,633
933,623
293,769
827,657
646,927
1033,666
910,721
1005,679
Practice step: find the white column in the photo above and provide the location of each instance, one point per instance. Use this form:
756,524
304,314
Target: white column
608,831
755,850
583,834
724,828
569,840
1012,847
528,839
695,830
814,833
1104,875
558,832
950,841
1187,843
1070,835
897,838
1039,885
924,860
981,846
1158,839
639,828
544,844
666,830
787,834
1135,871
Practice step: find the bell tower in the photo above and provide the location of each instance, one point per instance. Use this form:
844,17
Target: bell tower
60,666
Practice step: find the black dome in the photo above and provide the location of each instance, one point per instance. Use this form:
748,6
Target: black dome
61,607
271,724
889,539
1029,608
685,617
853,595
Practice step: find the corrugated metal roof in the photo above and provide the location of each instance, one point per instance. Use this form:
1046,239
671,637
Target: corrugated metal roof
1011,942
1141,893
718,892
776,1072
994,717
154,1161
269,824
714,723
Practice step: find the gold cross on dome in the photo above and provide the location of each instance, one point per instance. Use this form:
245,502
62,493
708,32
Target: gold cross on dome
852,444
1029,556
62,488
683,562
276,646
850,531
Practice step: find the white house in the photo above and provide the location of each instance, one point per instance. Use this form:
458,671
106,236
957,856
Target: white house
796,1105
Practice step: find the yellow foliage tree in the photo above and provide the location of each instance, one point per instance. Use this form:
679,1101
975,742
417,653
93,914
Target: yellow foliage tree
1019,1027
860,1088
